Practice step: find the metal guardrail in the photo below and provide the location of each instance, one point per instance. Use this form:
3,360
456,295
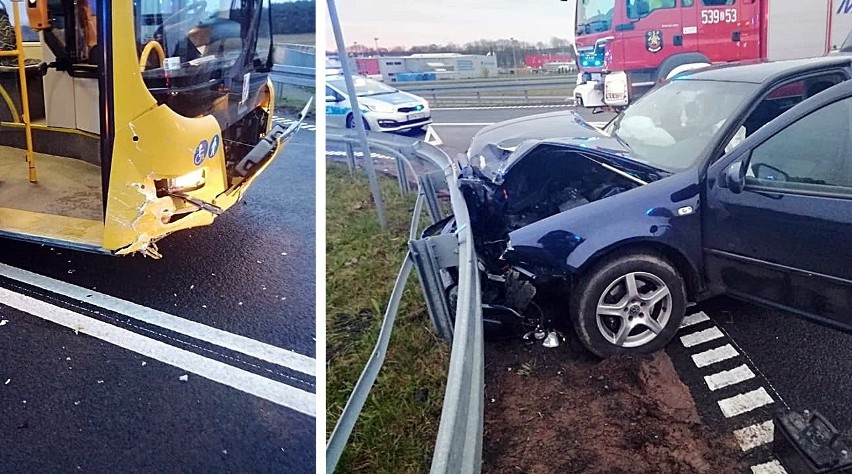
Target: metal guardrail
562,80
438,100
296,75
458,447
294,64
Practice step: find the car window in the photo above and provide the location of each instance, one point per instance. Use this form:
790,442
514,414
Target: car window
780,100
814,154
717,3
639,8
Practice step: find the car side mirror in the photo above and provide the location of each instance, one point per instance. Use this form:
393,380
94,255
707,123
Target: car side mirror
331,98
734,179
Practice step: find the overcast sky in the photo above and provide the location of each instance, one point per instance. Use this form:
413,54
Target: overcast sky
418,22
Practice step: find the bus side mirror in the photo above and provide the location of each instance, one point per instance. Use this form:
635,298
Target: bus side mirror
37,14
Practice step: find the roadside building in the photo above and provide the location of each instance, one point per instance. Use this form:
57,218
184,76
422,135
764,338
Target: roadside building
419,67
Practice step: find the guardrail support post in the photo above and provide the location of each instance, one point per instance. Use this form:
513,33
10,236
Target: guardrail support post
427,255
478,98
526,95
350,158
402,177
432,205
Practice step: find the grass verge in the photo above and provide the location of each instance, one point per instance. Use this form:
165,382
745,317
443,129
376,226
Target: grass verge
397,428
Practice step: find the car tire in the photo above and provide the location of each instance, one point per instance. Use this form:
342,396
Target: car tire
350,122
642,325
578,102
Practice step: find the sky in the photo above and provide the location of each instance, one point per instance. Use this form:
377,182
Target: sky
418,22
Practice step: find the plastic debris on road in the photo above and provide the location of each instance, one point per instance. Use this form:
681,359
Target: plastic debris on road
183,378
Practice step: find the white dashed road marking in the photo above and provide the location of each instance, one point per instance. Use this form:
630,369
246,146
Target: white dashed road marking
729,377
772,467
701,337
712,356
753,436
275,392
694,319
744,402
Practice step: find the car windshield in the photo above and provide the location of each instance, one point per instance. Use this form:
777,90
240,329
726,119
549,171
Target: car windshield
363,86
594,16
670,127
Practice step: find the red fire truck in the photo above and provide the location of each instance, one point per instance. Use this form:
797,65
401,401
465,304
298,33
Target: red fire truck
625,47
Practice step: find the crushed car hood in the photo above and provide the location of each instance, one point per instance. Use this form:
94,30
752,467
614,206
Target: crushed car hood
496,145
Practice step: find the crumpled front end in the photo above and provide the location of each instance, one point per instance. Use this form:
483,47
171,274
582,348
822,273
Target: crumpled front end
171,173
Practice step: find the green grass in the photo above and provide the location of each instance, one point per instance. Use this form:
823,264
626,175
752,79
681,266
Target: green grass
397,428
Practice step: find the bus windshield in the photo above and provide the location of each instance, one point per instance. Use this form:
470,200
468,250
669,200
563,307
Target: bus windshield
594,16
205,45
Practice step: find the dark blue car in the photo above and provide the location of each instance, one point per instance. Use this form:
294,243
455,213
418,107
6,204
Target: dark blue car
730,180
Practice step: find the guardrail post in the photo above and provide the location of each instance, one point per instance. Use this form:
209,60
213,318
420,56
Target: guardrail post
402,177
526,95
427,255
478,98
432,205
350,158
434,97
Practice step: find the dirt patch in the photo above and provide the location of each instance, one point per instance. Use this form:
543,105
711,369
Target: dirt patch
560,410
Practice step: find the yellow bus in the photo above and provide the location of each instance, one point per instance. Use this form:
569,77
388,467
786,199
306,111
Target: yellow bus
135,119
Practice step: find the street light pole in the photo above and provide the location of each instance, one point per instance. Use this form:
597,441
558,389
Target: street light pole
358,122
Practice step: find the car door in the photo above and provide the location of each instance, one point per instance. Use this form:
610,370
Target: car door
777,226
651,36
336,108
719,33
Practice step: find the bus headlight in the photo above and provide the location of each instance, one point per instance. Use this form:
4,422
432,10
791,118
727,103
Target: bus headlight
188,182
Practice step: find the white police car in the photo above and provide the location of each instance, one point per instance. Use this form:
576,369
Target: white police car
384,108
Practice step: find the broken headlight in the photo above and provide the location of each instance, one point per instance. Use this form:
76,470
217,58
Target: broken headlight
189,182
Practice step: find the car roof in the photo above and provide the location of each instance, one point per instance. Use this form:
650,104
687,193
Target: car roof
758,72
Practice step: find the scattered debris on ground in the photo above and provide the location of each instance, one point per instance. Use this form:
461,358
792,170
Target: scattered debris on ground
562,410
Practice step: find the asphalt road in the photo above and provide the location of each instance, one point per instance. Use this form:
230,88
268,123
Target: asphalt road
456,126
797,364
94,377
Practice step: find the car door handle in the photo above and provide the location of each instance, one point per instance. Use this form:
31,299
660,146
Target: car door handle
735,36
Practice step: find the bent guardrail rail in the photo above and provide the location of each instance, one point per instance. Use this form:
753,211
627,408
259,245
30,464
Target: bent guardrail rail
458,447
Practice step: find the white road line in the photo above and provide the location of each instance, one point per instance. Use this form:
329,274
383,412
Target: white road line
712,356
728,377
276,355
701,337
753,436
275,392
744,402
694,319
462,124
772,467
568,104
